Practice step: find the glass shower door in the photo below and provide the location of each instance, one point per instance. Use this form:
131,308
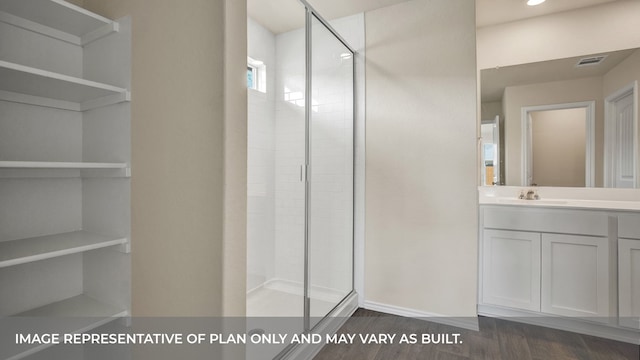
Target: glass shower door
276,187
330,187
300,178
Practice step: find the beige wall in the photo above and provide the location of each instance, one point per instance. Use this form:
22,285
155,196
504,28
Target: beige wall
489,110
622,75
611,26
558,147
235,160
558,92
421,172
187,154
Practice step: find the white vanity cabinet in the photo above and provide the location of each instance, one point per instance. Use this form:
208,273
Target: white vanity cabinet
575,276
548,261
629,270
569,268
511,269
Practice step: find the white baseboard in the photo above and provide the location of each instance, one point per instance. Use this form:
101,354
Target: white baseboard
562,323
469,323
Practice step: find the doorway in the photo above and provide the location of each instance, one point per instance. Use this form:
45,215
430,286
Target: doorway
558,146
490,162
621,138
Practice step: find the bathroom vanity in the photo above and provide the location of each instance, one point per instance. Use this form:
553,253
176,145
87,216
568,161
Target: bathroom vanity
566,261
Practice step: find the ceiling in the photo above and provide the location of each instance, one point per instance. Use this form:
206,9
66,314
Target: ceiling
493,81
284,15
491,12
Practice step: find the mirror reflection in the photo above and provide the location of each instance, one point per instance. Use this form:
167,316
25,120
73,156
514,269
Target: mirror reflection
490,163
566,122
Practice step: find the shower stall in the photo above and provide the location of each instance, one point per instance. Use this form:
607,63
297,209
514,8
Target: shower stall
300,224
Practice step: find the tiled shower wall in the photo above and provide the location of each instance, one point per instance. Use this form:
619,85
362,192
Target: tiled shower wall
261,162
290,155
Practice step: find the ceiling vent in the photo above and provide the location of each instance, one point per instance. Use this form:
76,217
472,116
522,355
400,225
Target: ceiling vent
592,60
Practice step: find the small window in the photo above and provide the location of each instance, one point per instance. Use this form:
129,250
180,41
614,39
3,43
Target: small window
251,76
256,75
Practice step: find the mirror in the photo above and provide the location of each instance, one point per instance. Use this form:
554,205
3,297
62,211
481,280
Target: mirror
600,150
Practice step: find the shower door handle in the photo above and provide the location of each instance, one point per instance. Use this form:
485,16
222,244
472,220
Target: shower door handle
303,173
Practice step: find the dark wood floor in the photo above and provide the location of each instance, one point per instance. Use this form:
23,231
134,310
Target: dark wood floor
496,340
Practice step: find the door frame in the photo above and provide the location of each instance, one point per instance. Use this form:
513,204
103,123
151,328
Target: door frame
610,132
527,152
496,134
310,15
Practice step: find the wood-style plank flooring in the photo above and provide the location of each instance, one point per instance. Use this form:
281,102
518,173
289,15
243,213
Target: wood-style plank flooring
496,340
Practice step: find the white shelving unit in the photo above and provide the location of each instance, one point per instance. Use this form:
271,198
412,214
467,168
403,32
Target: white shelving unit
81,314
51,169
58,19
23,251
59,165
65,158
28,85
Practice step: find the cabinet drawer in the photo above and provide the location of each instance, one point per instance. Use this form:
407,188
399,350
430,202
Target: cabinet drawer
629,226
546,220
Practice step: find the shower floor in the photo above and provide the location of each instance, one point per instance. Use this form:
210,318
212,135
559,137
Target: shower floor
269,302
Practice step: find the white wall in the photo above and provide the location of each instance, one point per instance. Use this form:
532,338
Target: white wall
607,27
421,169
290,155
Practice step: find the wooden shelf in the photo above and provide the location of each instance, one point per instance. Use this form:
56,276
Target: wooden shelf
58,19
33,86
74,315
22,251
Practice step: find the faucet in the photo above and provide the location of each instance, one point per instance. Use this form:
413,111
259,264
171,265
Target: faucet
529,195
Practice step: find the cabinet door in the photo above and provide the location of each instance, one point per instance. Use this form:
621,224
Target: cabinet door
511,269
629,282
575,276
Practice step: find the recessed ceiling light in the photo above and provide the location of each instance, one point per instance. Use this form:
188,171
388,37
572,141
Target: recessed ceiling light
534,2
